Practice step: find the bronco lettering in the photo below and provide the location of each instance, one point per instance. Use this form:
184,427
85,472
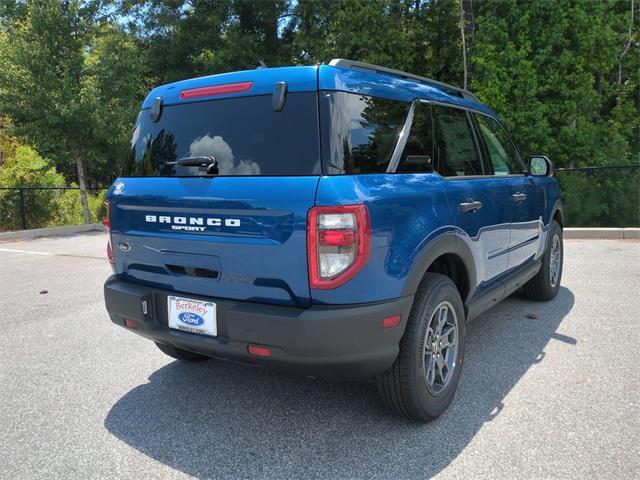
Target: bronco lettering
180,223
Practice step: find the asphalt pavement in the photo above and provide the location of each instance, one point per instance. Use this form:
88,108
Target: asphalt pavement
554,396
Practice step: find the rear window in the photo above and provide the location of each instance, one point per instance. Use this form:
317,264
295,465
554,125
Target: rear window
359,133
244,135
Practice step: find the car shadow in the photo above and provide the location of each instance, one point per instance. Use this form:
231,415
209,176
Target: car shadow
225,420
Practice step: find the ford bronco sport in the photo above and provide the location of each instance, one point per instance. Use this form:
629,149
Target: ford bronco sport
342,220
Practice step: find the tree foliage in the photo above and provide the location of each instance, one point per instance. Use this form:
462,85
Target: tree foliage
559,60
26,168
564,75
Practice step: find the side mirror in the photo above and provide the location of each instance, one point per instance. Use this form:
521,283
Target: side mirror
540,166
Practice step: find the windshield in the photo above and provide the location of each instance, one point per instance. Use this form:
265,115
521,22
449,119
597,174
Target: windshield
245,136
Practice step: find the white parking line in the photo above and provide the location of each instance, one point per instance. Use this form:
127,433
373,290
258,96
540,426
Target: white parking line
33,252
50,254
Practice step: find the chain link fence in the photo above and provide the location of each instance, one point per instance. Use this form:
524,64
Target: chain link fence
24,208
593,197
601,196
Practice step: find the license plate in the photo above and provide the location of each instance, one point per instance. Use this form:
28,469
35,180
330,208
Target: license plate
195,316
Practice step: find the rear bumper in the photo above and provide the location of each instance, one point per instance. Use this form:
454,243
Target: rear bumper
345,341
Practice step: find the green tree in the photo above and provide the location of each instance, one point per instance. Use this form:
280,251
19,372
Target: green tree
8,144
186,38
418,36
555,83
72,85
117,79
44,90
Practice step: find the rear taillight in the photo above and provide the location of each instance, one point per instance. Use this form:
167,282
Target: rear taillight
338,244
106,222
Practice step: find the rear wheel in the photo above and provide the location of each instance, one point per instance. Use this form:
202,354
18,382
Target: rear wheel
422,381
180,354
546,283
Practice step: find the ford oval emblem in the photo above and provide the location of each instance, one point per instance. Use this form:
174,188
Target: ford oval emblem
191,318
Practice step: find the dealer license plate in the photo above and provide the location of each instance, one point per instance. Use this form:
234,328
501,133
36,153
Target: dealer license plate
195,316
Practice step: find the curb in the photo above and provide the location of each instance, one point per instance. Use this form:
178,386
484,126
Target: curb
602,233
50,232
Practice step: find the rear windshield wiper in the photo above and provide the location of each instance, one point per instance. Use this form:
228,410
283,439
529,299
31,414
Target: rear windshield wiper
209,162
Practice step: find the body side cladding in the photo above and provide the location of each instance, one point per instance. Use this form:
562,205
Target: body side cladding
501,290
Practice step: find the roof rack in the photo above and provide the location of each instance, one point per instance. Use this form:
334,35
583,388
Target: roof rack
344,63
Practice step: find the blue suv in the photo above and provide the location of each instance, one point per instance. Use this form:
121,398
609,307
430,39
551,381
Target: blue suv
342,220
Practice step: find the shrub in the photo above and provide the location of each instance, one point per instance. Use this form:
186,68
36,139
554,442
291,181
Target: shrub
27,169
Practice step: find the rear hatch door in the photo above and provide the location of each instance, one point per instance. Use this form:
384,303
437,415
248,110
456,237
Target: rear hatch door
236,229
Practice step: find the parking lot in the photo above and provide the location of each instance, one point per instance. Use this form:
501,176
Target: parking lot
555,396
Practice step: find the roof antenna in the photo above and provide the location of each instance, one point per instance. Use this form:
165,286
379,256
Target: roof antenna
261,65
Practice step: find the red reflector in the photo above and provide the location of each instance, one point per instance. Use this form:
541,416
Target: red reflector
106,222
215,90
391,321
259,351
131,324
110,255
337,238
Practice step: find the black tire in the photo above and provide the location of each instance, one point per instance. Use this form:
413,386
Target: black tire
541,287
403,387
180,354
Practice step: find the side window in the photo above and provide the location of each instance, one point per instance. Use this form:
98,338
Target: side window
501,152
456,152
417,156
359,133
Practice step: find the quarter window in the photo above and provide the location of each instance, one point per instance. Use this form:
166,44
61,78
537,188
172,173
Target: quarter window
359,133
417,156
456,152
500,150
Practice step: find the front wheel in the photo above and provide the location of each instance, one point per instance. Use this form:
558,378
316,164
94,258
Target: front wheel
423,379
546,283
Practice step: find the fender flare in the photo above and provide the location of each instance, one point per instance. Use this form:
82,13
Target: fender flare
557,208
445,244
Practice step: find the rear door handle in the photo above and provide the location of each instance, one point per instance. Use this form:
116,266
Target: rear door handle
470,206
519,197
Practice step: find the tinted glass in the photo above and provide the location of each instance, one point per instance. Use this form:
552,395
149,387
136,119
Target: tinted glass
245,136
417,156
358,132
455,147
500,150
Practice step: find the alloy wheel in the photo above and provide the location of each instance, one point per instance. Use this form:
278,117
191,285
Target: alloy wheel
440,347
555,260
